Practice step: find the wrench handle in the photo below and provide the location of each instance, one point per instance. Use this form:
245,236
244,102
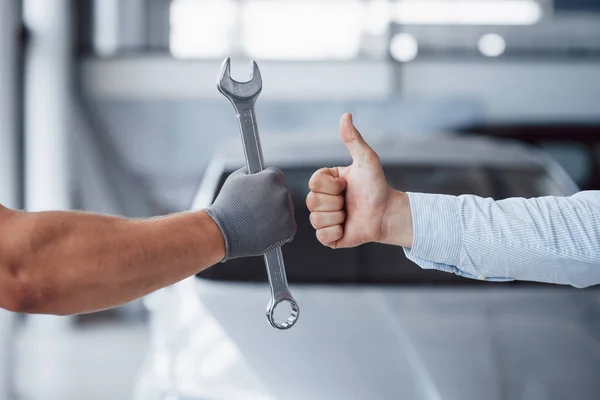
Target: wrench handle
276,273
250,139
273,259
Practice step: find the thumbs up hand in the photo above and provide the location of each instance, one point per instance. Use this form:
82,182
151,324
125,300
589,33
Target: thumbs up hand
354,205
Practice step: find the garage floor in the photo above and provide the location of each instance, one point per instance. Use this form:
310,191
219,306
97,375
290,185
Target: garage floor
92,360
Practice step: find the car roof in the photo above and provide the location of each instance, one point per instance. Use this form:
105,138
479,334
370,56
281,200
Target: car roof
310,150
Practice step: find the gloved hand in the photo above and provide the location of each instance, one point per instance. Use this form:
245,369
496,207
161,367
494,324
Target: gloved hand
254,212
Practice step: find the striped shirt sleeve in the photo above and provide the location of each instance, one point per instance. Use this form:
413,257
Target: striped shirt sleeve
546,239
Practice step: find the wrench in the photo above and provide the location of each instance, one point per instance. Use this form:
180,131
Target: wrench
243,96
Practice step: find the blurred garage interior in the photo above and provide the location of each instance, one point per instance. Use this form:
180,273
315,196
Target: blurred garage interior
110,106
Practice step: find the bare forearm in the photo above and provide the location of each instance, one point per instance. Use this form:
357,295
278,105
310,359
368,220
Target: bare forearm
67,262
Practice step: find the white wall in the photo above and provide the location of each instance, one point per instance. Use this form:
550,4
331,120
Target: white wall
148,78
513,90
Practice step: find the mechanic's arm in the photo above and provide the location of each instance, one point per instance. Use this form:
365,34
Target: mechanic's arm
550,239
72,262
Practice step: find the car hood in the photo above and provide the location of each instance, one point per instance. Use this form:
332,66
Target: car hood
390,343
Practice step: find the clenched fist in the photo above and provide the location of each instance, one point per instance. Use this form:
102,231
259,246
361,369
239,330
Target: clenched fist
254,212
354,205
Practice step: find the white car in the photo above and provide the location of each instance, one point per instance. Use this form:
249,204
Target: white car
373,325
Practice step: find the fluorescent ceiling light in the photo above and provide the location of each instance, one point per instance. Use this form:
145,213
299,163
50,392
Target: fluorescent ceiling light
492,45
201,28
302,29
467,12
377,16
404,47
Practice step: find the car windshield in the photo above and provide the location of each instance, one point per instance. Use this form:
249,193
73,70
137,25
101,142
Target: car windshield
307,261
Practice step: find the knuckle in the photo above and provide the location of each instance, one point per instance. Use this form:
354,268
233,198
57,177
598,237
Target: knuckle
316,219
316,180
273,175
314,184
328,236
321,237
311,200
313,218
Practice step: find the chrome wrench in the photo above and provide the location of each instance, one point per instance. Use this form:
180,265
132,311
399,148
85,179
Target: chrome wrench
243,96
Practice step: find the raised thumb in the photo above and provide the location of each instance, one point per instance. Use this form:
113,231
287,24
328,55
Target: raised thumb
358,148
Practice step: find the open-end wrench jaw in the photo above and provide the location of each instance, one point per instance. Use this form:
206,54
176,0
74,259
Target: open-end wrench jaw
235,90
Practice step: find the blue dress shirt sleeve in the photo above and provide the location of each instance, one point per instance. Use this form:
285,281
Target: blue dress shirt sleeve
546,239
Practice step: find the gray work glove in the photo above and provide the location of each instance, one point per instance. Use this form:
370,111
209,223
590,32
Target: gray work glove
254,212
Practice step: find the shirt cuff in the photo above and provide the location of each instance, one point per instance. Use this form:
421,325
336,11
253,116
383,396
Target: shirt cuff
437,230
